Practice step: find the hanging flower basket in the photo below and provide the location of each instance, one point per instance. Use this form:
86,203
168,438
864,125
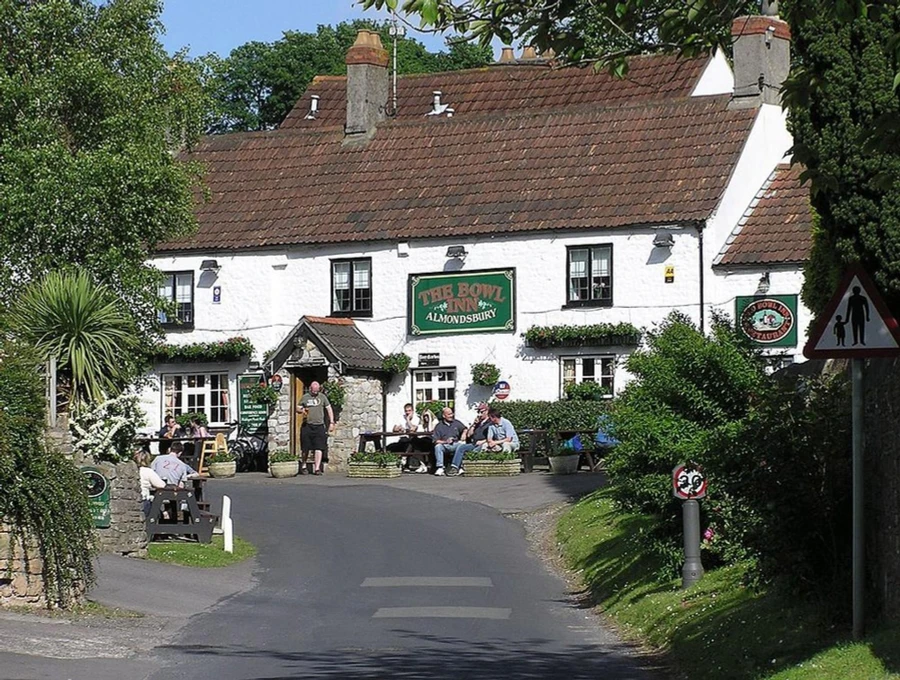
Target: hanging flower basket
595,335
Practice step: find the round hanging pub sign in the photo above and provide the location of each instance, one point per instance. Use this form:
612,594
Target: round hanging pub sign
767,321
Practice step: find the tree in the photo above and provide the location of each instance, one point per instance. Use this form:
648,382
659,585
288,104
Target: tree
841,96
92,111
257,85
83,326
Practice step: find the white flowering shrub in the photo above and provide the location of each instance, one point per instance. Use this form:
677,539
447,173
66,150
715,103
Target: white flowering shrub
106,431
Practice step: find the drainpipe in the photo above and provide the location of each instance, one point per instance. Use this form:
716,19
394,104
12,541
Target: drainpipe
700,226
384,386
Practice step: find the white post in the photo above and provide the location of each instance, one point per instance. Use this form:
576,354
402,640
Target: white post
227,525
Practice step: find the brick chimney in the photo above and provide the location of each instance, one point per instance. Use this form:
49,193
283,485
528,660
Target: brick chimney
762,59
367,86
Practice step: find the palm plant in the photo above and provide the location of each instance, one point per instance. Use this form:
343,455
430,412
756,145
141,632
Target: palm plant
82,323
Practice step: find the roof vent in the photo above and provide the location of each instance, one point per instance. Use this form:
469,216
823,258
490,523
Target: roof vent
437,108
507,56
313,107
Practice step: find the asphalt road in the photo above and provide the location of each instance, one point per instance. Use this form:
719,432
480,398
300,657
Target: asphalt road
373,581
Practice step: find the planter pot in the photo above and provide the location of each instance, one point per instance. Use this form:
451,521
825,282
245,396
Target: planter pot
290,468
374,470
491,468
224,469
564,465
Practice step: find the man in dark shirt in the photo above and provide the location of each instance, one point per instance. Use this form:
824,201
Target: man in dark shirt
476,436
447,438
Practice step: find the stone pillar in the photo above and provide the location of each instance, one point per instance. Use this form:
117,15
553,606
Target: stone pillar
126,534
280,416
362,411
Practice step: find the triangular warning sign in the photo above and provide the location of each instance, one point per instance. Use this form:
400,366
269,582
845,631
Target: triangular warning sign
856,323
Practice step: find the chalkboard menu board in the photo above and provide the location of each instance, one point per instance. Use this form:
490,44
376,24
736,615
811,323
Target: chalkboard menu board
254,417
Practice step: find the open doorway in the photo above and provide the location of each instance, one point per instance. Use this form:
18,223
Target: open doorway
300,381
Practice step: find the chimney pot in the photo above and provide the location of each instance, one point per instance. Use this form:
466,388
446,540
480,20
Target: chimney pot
507,56
528,53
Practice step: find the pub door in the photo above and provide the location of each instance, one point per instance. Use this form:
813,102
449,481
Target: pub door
300,380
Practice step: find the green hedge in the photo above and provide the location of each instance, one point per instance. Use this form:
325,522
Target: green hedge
553,415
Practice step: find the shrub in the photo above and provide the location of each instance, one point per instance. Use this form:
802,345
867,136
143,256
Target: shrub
43,494
485,374
281,456
185,419
600,334
586,391
263,394
336,392
231,349
553,415
105,432
396,363
499,456
434,406
381,458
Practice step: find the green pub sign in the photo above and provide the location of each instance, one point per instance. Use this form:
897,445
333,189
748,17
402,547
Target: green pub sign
464,302
768,320
253,416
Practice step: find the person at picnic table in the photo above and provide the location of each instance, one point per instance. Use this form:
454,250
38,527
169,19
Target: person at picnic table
313,437
476,436
149,480
405,445
173,471
170,430
448,434
501,433
198,429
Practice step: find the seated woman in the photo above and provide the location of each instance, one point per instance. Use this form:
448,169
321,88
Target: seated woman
149,479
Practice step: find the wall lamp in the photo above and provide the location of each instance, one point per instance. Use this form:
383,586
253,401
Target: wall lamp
663,239
458,252
209,266
763,286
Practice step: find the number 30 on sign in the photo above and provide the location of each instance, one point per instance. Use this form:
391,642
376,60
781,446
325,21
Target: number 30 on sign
688,482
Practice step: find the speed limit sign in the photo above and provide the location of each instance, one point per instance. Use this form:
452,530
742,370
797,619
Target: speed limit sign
688,482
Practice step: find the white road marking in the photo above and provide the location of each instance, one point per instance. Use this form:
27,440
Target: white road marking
428,581
442,613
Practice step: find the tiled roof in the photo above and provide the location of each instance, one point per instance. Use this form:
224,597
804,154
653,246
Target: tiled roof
509,89
777,227
347,342
635,164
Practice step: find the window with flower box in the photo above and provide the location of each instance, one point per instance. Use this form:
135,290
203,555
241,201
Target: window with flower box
434,384
197,392
178,288
576,370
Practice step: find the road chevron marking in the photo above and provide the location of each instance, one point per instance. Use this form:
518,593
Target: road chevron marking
442,613
427,581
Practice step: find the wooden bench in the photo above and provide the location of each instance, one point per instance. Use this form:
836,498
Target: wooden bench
177,512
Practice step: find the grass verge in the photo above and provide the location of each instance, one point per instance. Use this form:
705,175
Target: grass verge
190,554
84,610
718,629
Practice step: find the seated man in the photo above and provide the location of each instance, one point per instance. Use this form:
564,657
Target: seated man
501,434
447,438
170,467
476,436
404,445
170,430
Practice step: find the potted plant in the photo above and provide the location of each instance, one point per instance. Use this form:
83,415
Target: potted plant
491,463
283,463
396,363
485,374
563,459
336,393
374,464
223,464
263,394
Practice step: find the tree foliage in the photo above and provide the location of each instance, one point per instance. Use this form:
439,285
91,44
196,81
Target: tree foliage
91,110
257,85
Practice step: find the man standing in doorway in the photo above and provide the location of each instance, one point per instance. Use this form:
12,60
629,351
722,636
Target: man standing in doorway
313,437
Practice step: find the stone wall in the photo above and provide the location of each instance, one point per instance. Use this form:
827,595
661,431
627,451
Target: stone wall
22,585
362,410
882,483
280,417
126,534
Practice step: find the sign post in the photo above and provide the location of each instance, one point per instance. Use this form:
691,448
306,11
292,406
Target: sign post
873,333
689,484
253,417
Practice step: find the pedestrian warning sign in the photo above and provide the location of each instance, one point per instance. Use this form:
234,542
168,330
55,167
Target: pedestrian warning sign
856,323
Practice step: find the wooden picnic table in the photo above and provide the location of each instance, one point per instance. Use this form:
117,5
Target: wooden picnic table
181,512
551,439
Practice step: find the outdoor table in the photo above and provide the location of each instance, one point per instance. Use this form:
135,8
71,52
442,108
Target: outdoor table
187,514
380,441
146,441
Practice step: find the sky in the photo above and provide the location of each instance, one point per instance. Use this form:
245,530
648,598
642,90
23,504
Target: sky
221,25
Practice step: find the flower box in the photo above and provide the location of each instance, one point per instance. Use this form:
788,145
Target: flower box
372,470
283,469
566,464
491,468
222,469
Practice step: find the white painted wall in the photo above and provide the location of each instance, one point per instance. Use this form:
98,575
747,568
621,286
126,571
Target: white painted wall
717,77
